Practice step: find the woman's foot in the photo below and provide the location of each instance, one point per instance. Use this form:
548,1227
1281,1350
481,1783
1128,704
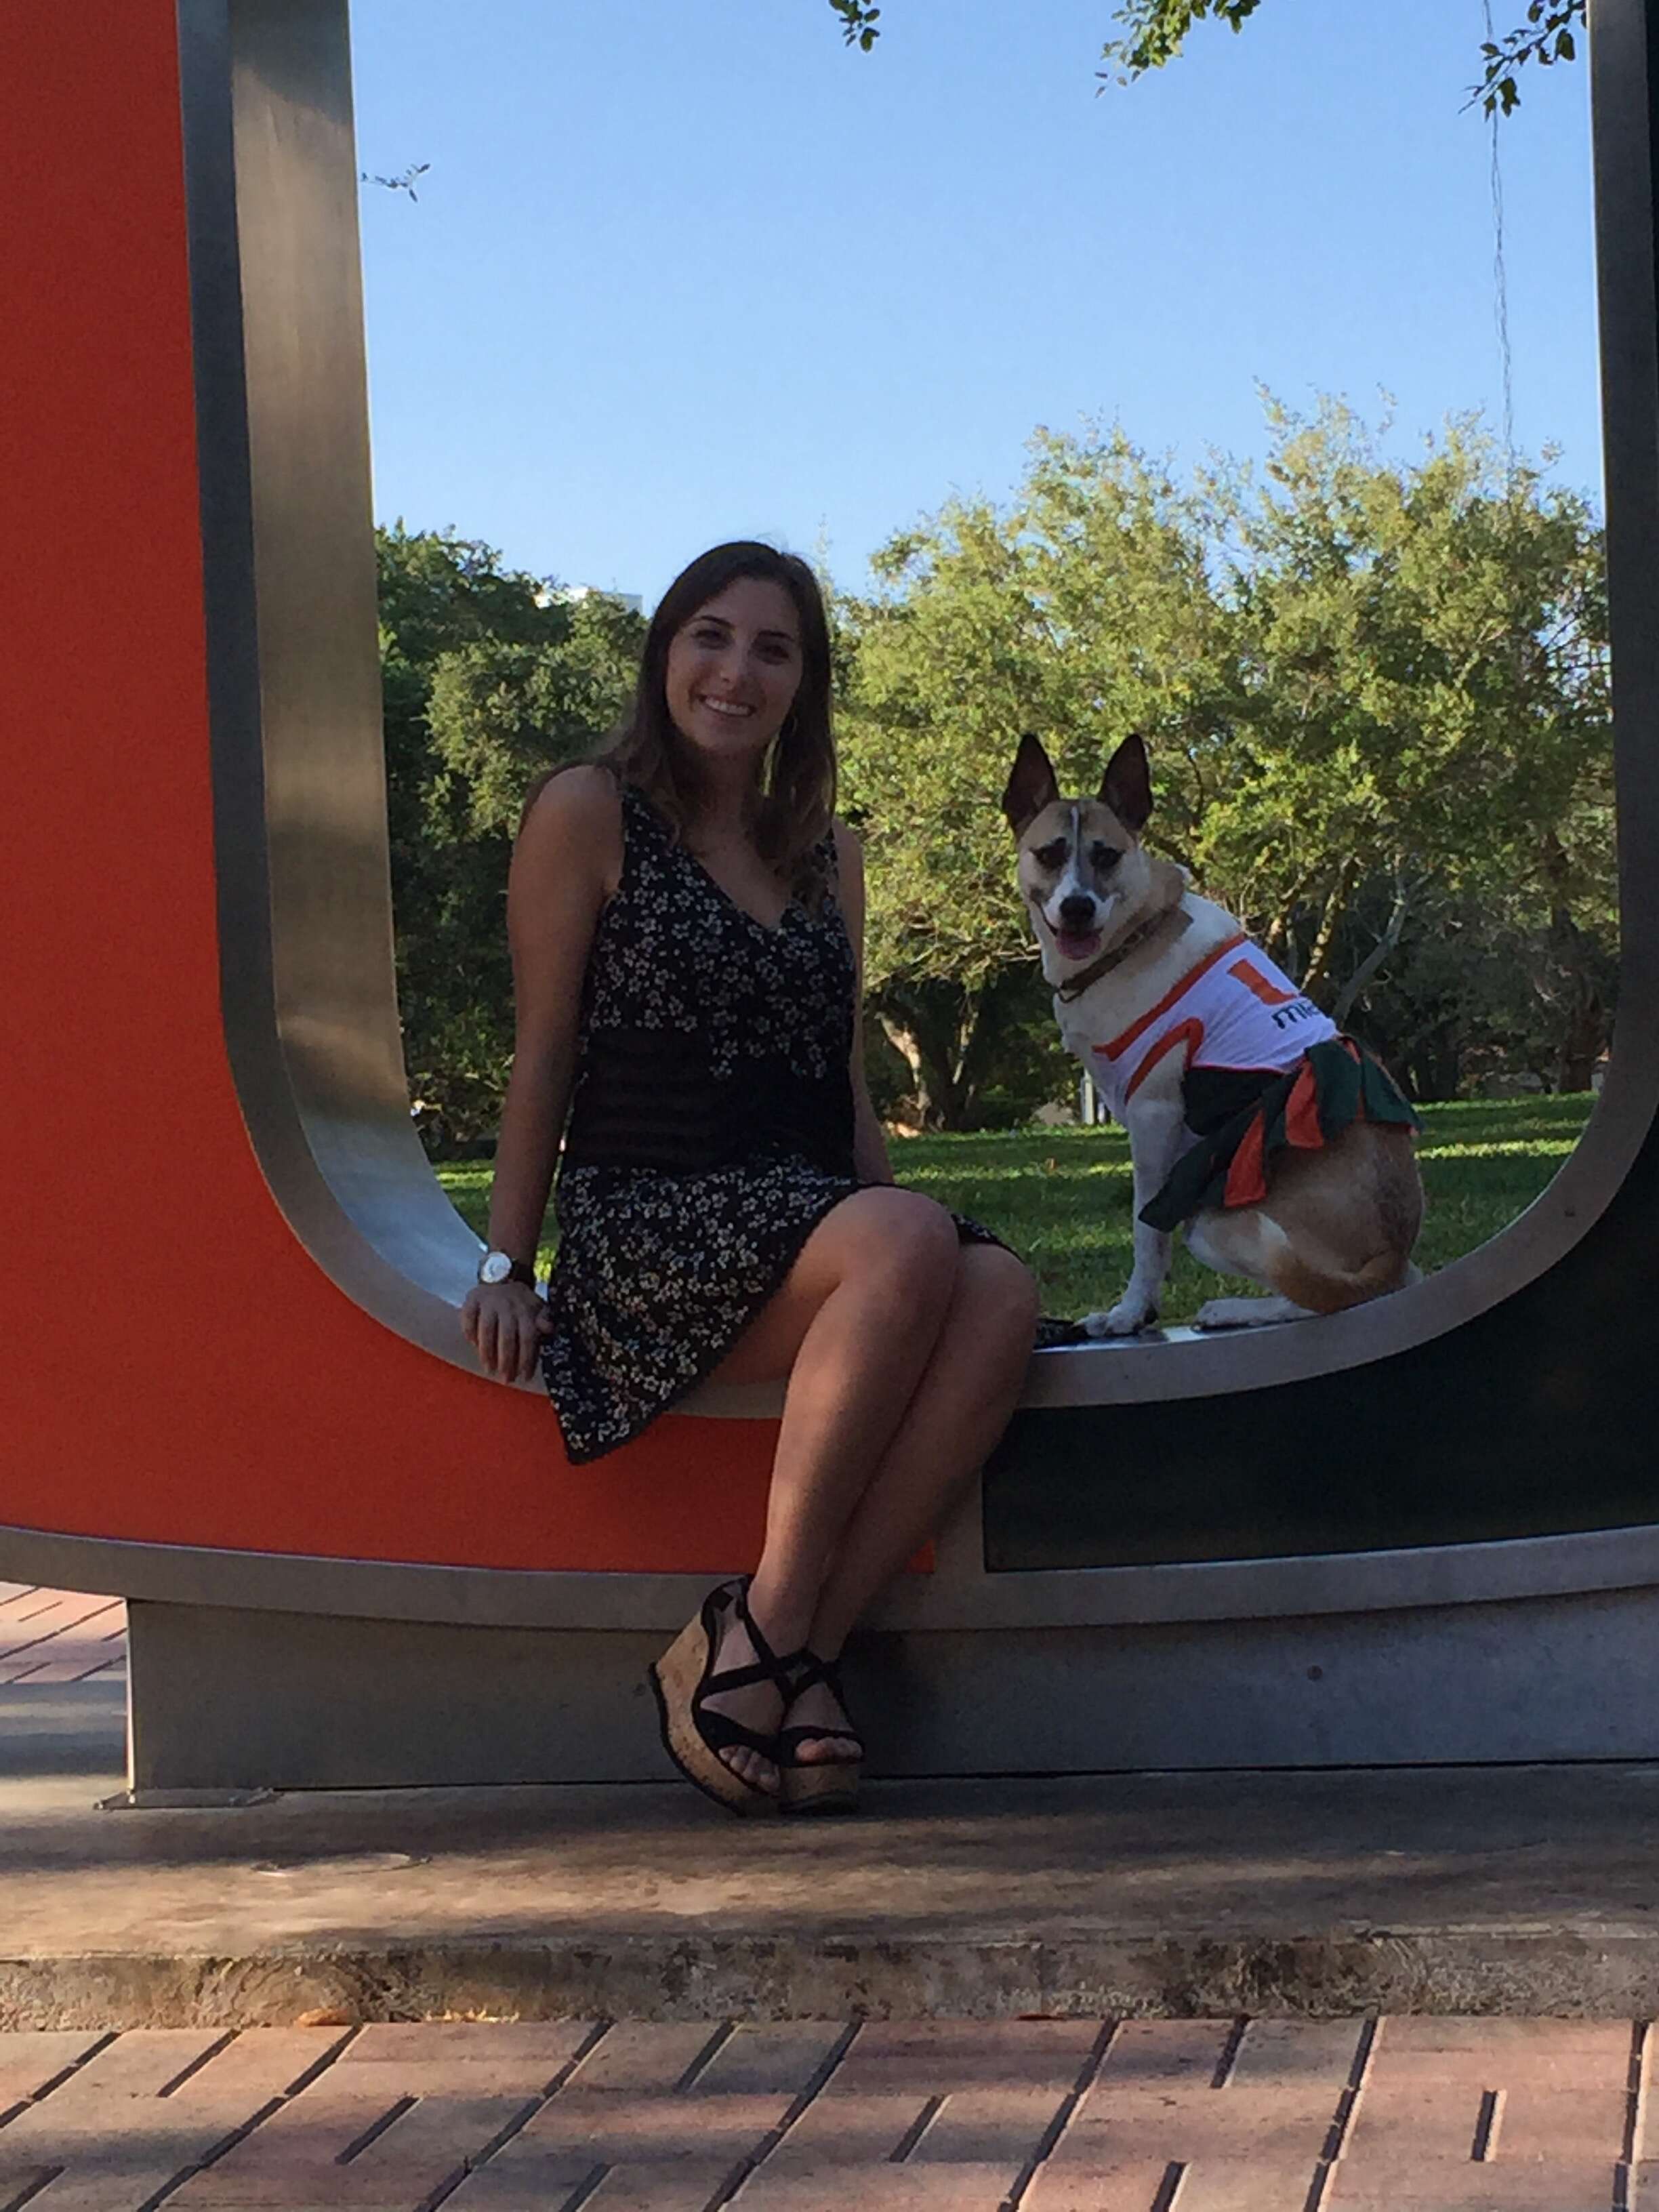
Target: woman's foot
757,1705
819,1731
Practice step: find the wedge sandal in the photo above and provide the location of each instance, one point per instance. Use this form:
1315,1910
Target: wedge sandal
684,1681
817,1785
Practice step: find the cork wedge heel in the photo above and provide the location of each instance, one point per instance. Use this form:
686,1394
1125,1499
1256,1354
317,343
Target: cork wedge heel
683,1680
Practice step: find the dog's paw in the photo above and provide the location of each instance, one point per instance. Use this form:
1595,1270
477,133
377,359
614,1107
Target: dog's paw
1247,1313
1127,1318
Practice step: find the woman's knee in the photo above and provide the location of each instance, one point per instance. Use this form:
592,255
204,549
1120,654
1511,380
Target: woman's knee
901,1240
997,1296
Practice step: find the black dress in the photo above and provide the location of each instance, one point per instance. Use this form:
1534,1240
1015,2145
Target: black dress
710,1131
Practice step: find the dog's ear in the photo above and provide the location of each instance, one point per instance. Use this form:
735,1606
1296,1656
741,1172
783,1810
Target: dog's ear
1031,785
1127,785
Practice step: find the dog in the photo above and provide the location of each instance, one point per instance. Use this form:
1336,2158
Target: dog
1282,1149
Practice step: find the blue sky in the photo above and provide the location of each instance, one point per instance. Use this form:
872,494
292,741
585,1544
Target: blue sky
687,269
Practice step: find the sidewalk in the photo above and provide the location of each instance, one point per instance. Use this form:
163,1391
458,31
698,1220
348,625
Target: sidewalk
1140,1993
58,1636
1045,2116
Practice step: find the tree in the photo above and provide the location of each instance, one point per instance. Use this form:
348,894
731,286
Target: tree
1375,695
1155,31
1421,720
488,678
1083,612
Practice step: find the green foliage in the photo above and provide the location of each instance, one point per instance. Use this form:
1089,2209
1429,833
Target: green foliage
1376,696
1546,37
488,680
858,22
1061,1197
1155,31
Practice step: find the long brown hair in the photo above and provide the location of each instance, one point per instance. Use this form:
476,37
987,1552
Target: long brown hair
796,794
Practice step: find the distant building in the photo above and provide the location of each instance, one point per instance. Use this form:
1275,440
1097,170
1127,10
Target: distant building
568,595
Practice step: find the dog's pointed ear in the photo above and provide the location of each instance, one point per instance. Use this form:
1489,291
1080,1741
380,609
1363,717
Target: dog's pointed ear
1127,785
1031,785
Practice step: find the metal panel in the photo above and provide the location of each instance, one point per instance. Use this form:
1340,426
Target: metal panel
380,1704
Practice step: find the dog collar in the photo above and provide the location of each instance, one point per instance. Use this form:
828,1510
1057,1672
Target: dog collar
1115,955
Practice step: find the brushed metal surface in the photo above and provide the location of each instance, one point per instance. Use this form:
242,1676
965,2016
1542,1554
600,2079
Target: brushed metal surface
227,1699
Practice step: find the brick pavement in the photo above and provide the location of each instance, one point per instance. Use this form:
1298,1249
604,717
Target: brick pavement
60,1636
1399,2114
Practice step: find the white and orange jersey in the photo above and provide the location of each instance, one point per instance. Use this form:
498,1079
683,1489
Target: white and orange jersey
1234,1010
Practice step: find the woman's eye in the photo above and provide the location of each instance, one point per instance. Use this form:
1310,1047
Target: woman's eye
1104,856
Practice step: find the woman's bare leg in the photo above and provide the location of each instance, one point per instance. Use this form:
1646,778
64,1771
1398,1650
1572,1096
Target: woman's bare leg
959,1409
854,1328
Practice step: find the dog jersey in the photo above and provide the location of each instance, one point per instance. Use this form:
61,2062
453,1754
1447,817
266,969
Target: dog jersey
1234,1010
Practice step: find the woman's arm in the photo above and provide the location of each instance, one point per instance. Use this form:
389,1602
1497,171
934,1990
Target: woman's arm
870,1158
567,862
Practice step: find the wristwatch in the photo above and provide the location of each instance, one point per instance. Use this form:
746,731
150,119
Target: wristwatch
503,1267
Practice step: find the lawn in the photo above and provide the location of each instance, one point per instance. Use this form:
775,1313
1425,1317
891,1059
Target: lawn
1060,1197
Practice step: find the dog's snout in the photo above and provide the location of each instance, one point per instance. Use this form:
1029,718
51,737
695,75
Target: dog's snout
1075,911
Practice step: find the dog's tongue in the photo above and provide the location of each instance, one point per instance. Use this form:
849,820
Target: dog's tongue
1078,948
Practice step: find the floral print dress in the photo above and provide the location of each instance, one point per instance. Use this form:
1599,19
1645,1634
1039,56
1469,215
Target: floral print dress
710,1132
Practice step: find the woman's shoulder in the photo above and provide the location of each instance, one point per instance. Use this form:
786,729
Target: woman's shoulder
847,849
576,813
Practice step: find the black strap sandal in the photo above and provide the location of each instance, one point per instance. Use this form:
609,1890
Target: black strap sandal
684,1681
818,1785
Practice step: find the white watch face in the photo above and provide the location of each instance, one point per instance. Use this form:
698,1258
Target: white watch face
495,1267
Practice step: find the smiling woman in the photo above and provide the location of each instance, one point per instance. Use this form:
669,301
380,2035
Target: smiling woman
686,917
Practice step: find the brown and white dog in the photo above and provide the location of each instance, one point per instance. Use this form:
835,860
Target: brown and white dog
1152,981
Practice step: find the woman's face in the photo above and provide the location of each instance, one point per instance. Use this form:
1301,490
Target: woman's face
734,669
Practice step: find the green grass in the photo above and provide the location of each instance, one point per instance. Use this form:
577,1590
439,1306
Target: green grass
1060,1197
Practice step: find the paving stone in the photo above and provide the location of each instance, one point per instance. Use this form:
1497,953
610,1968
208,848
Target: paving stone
545,2183
641,2056
683,2186
1558,2091
848,2127
1297,2050
528,2053
759,2060
677,2188
259,2063
1122,2185
1451,2185
981,2127
19,2183
140,2063
122,2185
824,2187
936,2056
609,2127
1162,2051
1283,2123
30,2058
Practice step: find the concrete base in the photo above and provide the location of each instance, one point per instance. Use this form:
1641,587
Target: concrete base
230,1700
1520,1890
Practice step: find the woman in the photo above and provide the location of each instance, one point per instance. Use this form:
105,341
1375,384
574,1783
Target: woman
685,917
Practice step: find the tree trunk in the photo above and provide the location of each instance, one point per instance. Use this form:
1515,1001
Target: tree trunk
945,1034
1318,958
1374,959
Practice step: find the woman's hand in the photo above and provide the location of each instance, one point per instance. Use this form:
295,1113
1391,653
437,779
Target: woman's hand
505,1323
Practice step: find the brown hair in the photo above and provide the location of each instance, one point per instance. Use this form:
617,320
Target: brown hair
797,785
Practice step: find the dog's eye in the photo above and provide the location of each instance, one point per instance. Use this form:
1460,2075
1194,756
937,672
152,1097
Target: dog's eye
1103,857
1052,855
